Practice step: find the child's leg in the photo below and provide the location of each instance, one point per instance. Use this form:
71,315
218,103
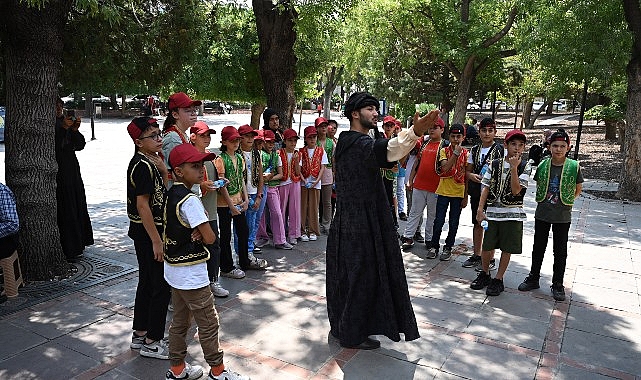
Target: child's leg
541,234
240,226
304,205
261,232
251,215
418,199
505,260
180,323
400,194
224,220
326,202
439,220
207,321
455,216
312,211
276,216
430,204
294,210
213,264
560,247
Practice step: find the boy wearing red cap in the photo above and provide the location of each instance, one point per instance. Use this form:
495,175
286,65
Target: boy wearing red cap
327,180
558,183
186,269
289,188
182,115
424,180
503,188
451,190
313,162
146,193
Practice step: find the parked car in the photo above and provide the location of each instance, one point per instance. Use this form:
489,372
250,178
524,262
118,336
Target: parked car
216,106
3,112
537,105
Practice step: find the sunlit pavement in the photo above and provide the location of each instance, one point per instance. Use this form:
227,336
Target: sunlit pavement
274,323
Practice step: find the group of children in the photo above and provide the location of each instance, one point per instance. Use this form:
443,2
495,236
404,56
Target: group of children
182,201
443,174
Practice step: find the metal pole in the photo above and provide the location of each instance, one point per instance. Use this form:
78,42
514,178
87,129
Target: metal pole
93,130
494,105
578,132
516,110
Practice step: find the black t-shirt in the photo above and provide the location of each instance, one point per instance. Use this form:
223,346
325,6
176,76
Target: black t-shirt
144,178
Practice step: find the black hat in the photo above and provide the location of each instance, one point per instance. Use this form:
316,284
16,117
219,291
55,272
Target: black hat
457,129
267,114
357,101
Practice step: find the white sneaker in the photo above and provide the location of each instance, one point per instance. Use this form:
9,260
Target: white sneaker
293,241
218,289
312,237
227,375
304,238
188,373
285,245
257,264
157,349
234,273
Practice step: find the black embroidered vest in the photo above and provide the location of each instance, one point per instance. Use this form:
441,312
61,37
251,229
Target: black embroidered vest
179,248
501,189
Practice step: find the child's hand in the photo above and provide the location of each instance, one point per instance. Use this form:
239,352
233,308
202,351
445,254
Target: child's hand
480,215
158,162
196,235
514,161
158,250
234,211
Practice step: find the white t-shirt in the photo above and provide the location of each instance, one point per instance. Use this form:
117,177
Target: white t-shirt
324,161
285,164
248,164
195,276
498,211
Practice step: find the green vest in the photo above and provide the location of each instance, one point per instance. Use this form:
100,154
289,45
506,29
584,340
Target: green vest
567,187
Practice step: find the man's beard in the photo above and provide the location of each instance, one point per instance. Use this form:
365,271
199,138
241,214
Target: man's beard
366,123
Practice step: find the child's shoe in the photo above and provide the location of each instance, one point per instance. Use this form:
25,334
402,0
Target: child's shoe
312,237
558,292
188,373
137,341
304,238
227,375
530,283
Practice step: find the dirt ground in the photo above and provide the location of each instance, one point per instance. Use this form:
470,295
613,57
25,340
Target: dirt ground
600,158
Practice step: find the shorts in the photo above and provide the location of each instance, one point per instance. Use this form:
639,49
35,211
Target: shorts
506,236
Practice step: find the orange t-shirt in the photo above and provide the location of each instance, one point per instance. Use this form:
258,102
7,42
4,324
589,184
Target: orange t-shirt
426,178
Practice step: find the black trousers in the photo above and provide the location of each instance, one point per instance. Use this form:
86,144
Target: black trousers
153,292
559,247
213,264
225,221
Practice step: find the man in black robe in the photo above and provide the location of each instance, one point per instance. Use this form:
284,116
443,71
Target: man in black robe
73,218
367,290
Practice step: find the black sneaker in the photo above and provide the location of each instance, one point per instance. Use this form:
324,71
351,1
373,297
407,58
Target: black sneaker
446,255
431,252
558,292
471,261
495,287
482,280
479,265
402,216
418,238
407,242
530,283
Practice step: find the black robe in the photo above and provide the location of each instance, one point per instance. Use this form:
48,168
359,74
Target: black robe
367,290
73,218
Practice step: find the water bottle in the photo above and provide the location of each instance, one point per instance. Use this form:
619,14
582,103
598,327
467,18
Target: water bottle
484,224
251,202
309,184
267,171
483,170
218,184
239,208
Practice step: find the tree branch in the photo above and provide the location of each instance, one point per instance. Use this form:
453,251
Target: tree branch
453,69
508,25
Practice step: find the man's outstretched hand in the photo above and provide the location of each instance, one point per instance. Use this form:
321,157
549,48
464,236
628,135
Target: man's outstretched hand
423,124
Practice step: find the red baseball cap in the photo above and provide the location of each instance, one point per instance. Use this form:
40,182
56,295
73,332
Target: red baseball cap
181,100
319,121
440,122
290,133
245,129
515,134
229,133
260,135
139,124
187,153
268,135
310,131
200,128
389,119
398,123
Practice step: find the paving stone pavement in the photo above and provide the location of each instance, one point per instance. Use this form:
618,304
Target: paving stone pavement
274,323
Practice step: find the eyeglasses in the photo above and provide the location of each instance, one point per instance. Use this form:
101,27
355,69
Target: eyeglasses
154,136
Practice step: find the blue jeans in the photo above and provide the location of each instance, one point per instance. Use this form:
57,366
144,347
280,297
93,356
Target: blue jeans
252,224
442,202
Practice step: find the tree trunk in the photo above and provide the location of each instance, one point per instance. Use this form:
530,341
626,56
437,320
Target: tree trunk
463,91
630,181
330,85
610,129
33,52
257,110
277,61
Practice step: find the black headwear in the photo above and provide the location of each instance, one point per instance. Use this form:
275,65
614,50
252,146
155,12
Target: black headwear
357,101
560,135
267,114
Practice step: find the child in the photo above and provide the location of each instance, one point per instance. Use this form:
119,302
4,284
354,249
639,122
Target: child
423,182
186,270
451,190
232,204
200,137
182,115
259,144
504,185
253,182
400,179
146,192
313,161
390,175
558,183
479,158
289,188
272,173
327,180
